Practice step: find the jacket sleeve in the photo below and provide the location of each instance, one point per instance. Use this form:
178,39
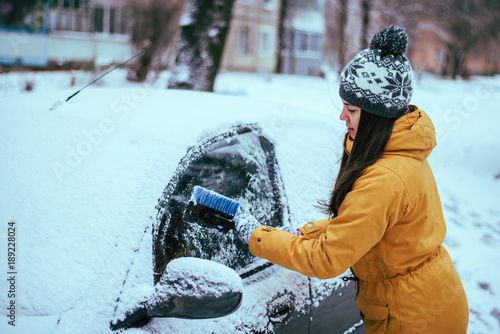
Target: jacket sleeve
313,230
376,202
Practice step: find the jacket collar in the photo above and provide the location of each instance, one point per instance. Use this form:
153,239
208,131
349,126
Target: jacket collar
413,136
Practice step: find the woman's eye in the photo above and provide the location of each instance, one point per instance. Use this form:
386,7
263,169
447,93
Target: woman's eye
351,110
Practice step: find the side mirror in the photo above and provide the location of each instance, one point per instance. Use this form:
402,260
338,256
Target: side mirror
190,288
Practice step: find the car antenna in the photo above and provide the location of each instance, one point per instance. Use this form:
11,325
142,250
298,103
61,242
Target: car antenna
59,102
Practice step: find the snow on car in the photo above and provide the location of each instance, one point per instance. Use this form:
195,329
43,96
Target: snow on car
99,182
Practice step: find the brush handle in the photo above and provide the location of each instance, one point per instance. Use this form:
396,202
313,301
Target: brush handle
208,217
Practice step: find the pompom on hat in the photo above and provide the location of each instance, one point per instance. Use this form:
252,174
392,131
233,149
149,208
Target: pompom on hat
379,80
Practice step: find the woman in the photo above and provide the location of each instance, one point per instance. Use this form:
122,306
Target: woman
385,217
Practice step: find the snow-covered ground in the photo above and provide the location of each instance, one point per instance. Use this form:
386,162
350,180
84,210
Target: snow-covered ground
79,183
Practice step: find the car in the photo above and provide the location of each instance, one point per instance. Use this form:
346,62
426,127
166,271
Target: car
114,150
241,163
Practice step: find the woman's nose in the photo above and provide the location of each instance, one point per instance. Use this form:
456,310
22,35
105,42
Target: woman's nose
343,116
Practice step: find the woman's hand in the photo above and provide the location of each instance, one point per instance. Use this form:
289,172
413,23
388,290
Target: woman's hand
245,225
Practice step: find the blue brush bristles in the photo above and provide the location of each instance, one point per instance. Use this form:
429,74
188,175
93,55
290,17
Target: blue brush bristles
215,201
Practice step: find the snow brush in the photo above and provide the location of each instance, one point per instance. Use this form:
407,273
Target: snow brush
211,209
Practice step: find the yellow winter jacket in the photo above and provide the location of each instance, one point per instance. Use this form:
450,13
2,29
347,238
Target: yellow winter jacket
389,231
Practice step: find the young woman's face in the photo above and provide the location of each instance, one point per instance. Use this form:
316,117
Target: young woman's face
350,114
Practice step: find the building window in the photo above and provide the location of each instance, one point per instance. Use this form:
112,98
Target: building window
86,16
303,41
307,45
268,4
112,20
125,20
307,42
265,44
314,43
99,19
266,41
243,40
439,55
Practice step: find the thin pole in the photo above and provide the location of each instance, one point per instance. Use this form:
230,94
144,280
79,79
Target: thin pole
114,68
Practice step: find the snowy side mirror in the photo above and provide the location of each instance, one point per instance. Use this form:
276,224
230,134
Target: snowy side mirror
190,288
197,289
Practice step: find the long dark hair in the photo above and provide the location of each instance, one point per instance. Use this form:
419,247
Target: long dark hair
371,138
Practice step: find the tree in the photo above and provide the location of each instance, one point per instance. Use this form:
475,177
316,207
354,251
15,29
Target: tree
156,25
288,9
466,27
366,8
282,26
198,53
409,15
336,13
471,26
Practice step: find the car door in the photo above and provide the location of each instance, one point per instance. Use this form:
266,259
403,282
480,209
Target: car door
239,163
334,308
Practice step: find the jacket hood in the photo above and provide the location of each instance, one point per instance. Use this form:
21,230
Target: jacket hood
413,136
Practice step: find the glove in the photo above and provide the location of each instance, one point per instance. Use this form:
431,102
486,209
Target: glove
245,225
289,229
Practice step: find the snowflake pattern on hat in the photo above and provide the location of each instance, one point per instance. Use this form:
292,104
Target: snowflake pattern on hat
379,80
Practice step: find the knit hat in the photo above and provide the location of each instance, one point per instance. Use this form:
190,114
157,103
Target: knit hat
379,79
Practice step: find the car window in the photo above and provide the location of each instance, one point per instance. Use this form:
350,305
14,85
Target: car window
239,163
